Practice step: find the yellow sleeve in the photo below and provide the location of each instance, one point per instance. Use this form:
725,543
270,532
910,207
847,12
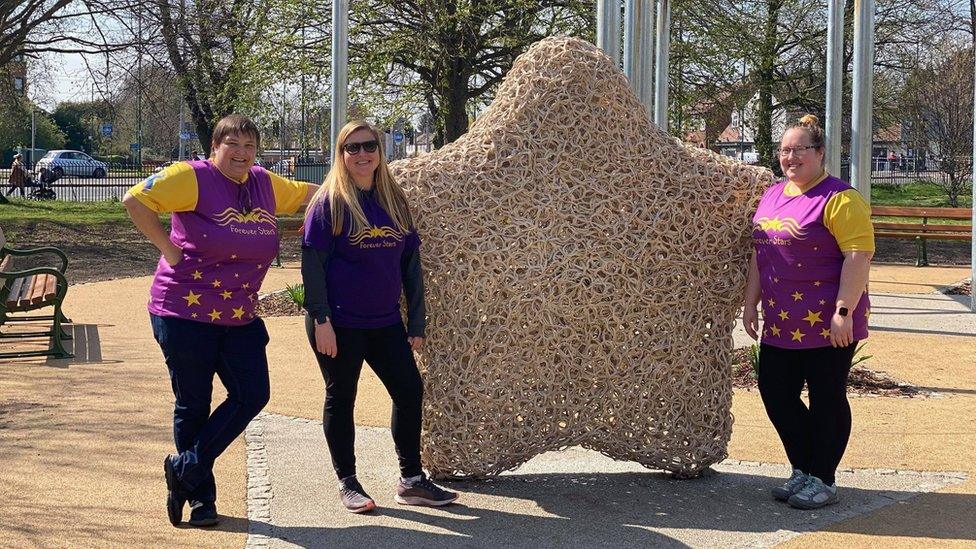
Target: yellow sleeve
288,194
172,190
848,218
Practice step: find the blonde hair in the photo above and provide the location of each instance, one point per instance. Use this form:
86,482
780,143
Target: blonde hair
810,124
343,194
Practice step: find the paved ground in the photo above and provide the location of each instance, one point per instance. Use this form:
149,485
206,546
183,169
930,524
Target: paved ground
80,442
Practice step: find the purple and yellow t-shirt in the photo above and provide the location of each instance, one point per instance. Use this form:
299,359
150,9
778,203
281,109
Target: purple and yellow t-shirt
365,276
228,232
800,240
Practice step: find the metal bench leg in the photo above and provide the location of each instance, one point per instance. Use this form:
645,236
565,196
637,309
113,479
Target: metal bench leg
57,348
922,258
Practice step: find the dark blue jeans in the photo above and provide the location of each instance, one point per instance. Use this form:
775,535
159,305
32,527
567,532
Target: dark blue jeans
194,352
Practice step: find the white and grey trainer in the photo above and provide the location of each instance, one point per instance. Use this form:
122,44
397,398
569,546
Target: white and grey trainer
354,497
795,483
814,495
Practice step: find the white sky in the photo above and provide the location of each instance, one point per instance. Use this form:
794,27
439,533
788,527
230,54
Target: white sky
59,78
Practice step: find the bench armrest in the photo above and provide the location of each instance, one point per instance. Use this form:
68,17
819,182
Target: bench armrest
36,251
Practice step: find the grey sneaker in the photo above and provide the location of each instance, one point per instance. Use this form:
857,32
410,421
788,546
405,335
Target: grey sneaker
423,492
791,486
354,497
814,495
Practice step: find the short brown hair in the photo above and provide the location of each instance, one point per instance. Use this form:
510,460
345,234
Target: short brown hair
234,124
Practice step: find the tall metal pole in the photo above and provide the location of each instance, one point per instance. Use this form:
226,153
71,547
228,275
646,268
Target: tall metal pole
30,157
638,49
340,66
972,256
835,84
139,100
863,100
662,64
182,141
608,28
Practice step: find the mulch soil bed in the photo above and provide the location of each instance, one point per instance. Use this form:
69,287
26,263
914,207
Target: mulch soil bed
861,381
277,304
963,288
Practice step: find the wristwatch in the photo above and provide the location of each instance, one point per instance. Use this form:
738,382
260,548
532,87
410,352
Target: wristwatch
842,311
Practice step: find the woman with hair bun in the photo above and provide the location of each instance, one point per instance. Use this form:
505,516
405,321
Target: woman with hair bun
813,246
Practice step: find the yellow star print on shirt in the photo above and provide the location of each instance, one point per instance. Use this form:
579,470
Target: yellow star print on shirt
225,294
775,330
192,298
817,283
813,317
215,283
783,315
825,333
238,313
797,296
197,275
214,315
797,335
772,302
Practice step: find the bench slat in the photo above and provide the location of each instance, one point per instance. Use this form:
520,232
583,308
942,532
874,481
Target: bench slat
906,211
923,227
924,236
14,294
23,300
48,290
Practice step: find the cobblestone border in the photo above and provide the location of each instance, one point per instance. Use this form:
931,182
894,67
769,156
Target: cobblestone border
260,530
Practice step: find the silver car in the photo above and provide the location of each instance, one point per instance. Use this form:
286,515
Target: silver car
64,162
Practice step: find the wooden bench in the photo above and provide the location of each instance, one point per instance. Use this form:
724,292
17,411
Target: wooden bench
923,230
32,289
290,227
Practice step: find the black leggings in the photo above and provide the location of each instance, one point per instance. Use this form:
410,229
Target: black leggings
815,438
388,353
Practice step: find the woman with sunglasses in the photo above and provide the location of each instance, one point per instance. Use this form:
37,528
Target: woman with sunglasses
360,253
813,246
201,304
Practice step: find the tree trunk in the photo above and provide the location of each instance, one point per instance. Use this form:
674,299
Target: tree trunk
765,78
454,102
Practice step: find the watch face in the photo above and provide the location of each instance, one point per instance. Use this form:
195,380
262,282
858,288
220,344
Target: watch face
842,311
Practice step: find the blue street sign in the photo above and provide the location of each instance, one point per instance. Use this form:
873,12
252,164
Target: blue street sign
186,135
397,136
133,146
106,130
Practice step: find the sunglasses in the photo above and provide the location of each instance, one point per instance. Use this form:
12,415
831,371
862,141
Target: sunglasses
368,146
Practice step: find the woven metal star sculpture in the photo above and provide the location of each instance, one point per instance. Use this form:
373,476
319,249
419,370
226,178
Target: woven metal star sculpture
583,275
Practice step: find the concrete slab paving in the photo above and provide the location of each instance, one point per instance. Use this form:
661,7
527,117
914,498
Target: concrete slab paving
573,497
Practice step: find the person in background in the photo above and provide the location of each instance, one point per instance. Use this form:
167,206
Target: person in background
360,254
813,247
18,176
203,297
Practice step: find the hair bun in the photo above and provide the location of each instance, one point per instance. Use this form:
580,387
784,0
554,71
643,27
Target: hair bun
810,121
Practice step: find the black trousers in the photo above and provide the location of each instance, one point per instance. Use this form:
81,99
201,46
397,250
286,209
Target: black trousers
388,353
815,438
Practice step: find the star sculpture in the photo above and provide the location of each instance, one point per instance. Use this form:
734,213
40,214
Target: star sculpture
584,270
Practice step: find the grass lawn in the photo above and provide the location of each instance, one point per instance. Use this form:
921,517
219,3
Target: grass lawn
917,194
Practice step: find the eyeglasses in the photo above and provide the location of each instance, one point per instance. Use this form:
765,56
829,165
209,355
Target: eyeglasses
797,151
368,146
244,198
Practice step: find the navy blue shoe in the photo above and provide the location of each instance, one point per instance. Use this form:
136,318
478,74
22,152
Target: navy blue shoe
203,513
175,495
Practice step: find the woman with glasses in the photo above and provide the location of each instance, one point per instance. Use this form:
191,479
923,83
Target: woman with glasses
360,254
813,246
223,237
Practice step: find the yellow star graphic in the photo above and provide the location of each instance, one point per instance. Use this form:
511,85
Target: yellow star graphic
194,315
783,315
772,303
215,283
251,297
867,313
775,329
233,256
225,294
214,315
797,296
192,298
817,283
259,266
775,279
800,265
246,285
236,275
239,313
825,333
823,302
197,275
797,335
813,317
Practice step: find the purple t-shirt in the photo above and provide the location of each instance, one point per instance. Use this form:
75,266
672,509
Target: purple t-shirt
799,268
228,245
364,275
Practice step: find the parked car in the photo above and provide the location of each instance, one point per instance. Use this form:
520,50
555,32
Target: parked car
63,162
